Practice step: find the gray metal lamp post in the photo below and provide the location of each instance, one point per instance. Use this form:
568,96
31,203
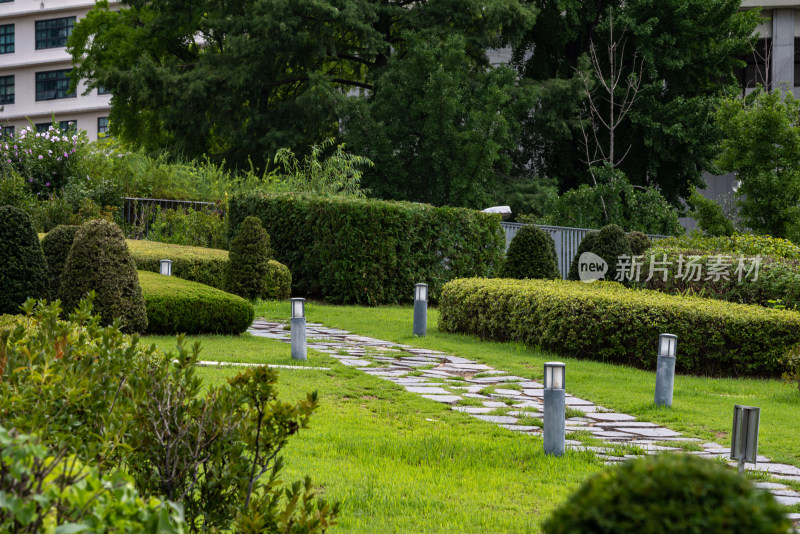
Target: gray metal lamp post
165,267
744,436
420,310
665,369
299,349
554,408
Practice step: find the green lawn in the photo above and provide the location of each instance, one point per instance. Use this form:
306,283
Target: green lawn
702,407
400,463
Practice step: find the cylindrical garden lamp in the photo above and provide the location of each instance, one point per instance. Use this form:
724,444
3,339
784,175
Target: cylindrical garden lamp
554,395
665,368
165,267
420,310
298,321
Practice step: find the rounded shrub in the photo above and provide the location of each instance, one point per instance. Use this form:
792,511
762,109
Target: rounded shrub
669,493
177,306
639,242
610,242
531,254
99,261
248,266
278,281
23,271
56,245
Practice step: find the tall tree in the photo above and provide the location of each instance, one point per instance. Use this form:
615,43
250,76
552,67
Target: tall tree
242,78
689,50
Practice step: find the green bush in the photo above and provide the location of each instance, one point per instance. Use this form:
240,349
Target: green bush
531,254
23,271
709,216
56,245
248,259
203,265
747,244
370,251
14,192
608,322
100,261
669,494
639,242
180,306
609,243
198,228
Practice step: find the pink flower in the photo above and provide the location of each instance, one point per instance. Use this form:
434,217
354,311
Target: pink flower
47,184
41,157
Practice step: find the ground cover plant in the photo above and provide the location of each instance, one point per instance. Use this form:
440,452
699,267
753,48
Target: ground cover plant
702,406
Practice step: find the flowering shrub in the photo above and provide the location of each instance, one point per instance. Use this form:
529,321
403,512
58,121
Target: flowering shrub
46,160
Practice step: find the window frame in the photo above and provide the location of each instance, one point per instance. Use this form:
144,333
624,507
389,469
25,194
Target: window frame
53,37
4,79
64,92
4,47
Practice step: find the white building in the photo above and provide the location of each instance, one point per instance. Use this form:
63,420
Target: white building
34,65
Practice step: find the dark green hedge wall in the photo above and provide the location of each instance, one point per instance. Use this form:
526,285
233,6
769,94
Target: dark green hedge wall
362,251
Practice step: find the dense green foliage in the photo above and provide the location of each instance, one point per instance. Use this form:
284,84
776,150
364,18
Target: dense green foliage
92,393
56,245
670,494
689,51
747,244
199,228
610,243
531,254
369,251
23,270
247,274
100,261
176,306
607,322
709,216
762,145
639,243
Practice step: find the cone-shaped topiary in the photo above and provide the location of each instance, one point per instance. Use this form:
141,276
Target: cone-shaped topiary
531,254
99,260
639,243
23,271
56,245
610,243
248,265
669,494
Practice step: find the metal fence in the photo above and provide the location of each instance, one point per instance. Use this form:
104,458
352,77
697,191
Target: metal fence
566,239
141,211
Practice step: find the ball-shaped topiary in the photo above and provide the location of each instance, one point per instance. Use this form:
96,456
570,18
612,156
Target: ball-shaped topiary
639,243
531,254
99,261
248,265
23,270
56,245
665,494
610,243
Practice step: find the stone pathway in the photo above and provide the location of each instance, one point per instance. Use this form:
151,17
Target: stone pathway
514,402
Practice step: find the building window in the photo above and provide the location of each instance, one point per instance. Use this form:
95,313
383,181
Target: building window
52,85
103,91
7,89
64,126
102,126
6,131
757,66
7,39
53,33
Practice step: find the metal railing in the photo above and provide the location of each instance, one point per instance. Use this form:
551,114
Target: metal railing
566,239
142,210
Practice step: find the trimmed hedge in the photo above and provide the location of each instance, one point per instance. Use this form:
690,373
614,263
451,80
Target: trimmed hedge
23,269
203,265
364,251
607,322
531,254
180,306
249,255
56,245
610,242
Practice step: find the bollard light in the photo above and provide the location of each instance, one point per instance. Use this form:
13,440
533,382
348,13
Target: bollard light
298,308
420,310
298,325
665,369
744,437
165,267
554,430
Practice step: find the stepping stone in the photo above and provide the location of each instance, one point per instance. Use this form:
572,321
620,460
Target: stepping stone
610,434
437,374
382,372
528,404
586,409
409,380
508,392
468,389
498,419
531,385
354,363
478,396
778,469
610,416
496,379
785,493
457,360
472,409
523,428
517,413
534,392
493,404
770,486
575,401
649,432
787,501
428,390
446,399
468,366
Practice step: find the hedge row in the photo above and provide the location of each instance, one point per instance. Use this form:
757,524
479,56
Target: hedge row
607,322
363,251
204,265
180,306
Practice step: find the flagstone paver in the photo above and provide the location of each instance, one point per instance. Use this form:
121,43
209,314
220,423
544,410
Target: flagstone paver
450,379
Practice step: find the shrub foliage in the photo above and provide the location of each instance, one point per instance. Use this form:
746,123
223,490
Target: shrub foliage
531,254
180,306
56,245
370,251
248,268
99,261
23,271
669,494
605,321
610,242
